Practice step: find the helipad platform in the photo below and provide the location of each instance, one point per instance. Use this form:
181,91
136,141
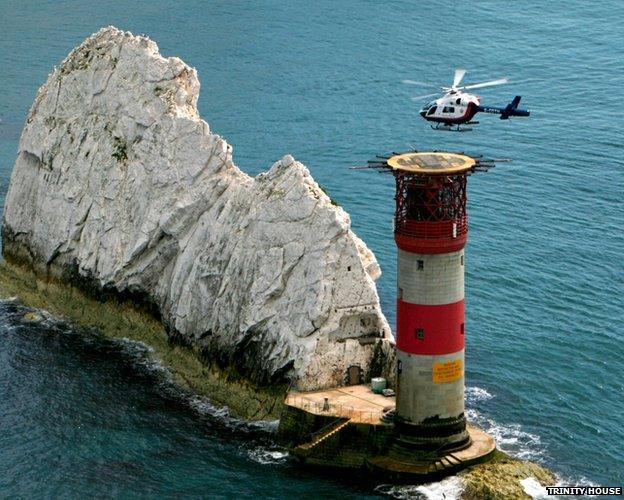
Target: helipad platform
431,162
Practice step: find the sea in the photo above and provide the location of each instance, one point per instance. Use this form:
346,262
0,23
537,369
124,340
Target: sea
84,417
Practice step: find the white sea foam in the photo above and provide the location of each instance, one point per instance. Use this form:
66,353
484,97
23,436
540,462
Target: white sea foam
268,455
533,488
203,406
10,300
133,345
265,425
536,491
142,355
569,481
510,438
450,488
476,394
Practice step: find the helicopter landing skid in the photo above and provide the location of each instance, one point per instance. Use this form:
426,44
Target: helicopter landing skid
449,128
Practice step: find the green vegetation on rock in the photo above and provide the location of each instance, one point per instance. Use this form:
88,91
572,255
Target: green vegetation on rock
333,202
122,319
121,150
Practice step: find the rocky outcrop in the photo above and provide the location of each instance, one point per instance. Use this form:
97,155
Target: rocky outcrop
119,186
505,477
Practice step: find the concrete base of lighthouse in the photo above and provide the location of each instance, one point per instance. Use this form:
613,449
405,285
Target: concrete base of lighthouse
408,467
346,428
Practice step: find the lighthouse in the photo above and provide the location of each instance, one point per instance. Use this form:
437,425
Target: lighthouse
421,433
430,231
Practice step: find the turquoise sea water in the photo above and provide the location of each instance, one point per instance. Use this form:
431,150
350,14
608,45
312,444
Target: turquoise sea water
322,81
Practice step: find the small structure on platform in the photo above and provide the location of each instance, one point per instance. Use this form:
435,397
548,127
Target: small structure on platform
422,433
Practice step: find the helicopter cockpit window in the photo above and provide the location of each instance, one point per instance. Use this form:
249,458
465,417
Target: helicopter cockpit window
432,110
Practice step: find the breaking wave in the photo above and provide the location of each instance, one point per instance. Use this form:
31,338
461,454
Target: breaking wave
268,455
450,488
533,488
476,395
510,438
537,492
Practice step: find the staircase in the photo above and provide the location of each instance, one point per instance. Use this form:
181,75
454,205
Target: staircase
405,458
420,466
448,461
321,436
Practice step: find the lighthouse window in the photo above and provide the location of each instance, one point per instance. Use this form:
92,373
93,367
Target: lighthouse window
462,260
461,329
420,333
421,264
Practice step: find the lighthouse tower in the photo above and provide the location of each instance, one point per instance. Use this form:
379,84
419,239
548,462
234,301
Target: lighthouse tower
430,231
430,437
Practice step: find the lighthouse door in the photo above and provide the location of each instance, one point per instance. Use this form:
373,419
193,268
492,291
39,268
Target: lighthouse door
354,375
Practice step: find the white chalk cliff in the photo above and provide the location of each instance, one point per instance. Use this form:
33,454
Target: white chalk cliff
121,187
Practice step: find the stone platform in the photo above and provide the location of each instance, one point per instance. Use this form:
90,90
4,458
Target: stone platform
343,427
356,402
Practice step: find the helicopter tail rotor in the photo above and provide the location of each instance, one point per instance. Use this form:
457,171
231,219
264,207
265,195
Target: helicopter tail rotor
512,109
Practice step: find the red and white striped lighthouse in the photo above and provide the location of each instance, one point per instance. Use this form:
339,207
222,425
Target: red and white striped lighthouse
431,229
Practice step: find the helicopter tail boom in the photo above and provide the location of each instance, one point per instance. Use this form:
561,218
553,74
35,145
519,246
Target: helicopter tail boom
510,110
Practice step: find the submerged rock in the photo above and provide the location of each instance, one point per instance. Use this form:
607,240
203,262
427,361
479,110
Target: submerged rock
120,187
32,317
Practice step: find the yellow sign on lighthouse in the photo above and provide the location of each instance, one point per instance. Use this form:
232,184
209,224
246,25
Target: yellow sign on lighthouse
448,371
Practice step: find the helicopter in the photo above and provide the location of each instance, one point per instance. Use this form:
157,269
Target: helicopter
456,107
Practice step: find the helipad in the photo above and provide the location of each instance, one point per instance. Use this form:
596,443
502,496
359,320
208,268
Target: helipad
431,163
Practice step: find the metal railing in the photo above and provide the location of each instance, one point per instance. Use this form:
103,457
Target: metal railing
333,409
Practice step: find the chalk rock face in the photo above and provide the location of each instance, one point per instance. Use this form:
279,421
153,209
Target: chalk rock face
120,186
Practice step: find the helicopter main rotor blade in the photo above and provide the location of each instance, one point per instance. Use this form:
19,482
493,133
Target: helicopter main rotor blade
414,82
418,98
459,74
491,83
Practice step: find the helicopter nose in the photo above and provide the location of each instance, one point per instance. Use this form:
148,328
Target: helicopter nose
422,112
